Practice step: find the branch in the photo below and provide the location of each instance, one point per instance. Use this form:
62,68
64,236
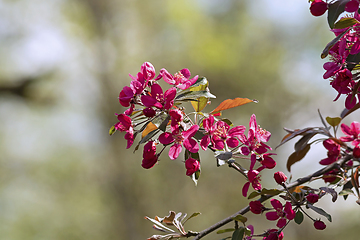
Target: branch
263,198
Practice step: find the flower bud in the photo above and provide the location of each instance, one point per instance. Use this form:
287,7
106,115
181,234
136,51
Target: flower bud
191,165
149,112
319,225
280,177
318,8
312,198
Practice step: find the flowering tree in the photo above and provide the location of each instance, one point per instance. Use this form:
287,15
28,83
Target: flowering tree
168,129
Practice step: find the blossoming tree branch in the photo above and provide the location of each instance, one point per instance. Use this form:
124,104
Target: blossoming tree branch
165,129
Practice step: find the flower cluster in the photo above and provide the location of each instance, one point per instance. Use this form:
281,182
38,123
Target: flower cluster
158,115
344,50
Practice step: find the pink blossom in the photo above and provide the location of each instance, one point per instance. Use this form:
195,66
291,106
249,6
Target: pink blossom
254,180
333,152
180,79
148,71
267,161
281,213
352,132
180,138
149,155
220,133
125,124
256,138
159,99
125,96
318,8
273,234
191,165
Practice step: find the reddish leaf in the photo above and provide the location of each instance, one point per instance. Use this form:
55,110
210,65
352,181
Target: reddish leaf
346,112
297,156
231,103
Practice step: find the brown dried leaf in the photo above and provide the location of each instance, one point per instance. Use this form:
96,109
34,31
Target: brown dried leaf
297,156
149,128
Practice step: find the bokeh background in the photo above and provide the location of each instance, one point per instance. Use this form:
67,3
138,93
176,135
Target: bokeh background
62,66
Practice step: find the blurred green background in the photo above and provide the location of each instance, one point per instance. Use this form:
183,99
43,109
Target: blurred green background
62,66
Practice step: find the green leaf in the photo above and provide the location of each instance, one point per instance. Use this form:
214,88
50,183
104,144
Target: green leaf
247,232
202,81
297,156
194,95
299,217
271,192
192,215
319,211
346,192
253,194
265,191
334,11
225,230
333,121
238,234
200,104
240,218
345,22
112,130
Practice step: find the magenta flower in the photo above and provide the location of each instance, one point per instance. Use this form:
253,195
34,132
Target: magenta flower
254,180
318,8
251,227
333,152
149,155
319,225
267,161
125,124
191,165
159,99
180,138
220,133
352,132
209,126
180,79
281,213
125,96
148,71
176,117
273,234
256,138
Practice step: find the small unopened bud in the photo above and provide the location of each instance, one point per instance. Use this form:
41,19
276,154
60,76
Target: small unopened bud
312,198
149,112
319,225
280,177
318,8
